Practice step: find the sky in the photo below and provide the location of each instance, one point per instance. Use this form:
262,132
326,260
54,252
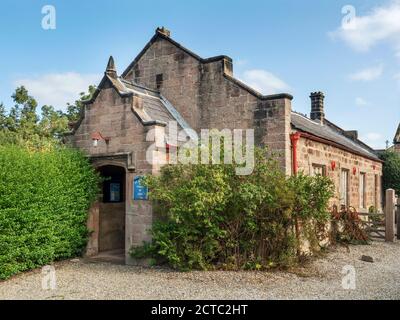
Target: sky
348,49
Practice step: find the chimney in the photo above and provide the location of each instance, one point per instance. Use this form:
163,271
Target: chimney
352,134
111,71
164,31
317,106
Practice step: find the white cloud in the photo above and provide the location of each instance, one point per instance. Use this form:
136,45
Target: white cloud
264,81
381,25
368,74
57,89
360,102
374,140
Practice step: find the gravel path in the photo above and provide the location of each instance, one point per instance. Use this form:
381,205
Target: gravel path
322,279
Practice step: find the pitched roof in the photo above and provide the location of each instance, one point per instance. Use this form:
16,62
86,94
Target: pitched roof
161,35
329,133
154,108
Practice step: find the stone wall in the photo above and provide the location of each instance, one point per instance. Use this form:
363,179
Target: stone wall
208,97
316,153
111,115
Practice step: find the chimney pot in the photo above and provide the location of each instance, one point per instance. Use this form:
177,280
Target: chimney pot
163,31
317,106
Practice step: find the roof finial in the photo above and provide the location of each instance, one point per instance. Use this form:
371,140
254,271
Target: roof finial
111,71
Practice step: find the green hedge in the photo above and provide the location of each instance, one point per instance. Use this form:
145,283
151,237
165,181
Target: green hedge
44,199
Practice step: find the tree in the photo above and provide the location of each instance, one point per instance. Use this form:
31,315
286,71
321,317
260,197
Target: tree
3,117
391,170
53,124
74,110
24,116
23,125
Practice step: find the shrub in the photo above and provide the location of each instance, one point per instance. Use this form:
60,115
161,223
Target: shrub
44,198
211,218
347,227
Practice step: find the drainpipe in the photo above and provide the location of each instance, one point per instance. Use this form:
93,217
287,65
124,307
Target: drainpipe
294,138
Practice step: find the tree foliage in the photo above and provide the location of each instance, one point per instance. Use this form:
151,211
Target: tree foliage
391,170
23,125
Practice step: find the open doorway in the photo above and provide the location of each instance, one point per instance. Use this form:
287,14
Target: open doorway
112,210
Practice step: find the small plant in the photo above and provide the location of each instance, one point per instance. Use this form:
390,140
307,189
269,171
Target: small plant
347,227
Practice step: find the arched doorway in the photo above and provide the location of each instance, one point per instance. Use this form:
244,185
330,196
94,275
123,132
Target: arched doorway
112,209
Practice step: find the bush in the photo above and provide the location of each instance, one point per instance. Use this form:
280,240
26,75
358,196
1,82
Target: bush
211,218
391,171
44,199
347,227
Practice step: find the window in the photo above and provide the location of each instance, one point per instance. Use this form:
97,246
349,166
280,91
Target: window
344,187
159,80
113,184
112,191
362,188
318,169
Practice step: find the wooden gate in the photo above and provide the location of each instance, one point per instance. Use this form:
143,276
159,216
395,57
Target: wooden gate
374,224
385,226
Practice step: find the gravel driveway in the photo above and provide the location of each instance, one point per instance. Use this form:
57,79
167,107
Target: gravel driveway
322,279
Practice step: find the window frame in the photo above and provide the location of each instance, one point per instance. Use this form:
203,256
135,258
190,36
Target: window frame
344,201
362,184
320,166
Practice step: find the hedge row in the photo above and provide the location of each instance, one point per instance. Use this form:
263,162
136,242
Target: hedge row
44,199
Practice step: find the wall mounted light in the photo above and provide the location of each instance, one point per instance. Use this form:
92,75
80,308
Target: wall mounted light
333,165
97,136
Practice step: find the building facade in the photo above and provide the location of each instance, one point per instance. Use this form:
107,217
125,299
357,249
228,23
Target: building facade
167,82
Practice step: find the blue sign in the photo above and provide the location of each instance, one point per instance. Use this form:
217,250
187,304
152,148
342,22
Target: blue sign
140,192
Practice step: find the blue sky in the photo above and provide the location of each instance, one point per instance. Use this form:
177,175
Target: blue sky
277,46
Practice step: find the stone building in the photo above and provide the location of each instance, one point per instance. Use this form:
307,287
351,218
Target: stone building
167,82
